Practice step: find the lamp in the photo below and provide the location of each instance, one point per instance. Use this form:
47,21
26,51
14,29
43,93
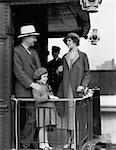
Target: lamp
90,5
94,38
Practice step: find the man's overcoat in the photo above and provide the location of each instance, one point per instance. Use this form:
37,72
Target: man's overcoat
24,68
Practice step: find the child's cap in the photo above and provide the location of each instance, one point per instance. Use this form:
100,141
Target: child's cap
40,71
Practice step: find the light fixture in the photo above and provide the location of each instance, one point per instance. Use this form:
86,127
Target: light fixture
94,37
90,5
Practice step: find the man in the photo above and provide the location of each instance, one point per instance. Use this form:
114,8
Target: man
54,69
26,61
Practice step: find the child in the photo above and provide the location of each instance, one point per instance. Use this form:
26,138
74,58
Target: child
46,109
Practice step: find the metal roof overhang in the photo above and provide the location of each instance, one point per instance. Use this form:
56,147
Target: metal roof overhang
62,15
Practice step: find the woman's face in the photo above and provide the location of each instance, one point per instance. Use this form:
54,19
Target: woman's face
44,78
70,43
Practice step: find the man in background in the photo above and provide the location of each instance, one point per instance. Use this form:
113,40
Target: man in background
55,68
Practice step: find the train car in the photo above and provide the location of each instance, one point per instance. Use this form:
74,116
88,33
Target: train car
52,18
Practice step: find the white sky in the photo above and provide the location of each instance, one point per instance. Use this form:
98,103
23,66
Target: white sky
105,21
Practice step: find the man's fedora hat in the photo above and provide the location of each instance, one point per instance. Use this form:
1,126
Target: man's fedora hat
71,35
28,30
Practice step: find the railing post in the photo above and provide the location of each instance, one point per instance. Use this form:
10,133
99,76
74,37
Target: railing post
96,112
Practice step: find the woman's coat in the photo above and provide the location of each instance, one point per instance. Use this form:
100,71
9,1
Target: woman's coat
79,75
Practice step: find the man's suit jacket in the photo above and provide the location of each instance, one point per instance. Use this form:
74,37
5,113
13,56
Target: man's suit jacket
24,67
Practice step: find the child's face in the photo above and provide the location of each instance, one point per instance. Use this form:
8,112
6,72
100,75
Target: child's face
44,78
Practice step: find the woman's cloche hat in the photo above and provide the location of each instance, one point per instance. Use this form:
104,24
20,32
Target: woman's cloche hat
27,30
40,71
70,35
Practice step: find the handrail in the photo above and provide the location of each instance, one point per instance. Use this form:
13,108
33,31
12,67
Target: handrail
89,94
17,100
52,99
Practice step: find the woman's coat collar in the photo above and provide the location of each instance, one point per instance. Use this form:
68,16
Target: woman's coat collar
77,55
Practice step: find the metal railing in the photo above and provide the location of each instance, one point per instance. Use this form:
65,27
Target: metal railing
82,117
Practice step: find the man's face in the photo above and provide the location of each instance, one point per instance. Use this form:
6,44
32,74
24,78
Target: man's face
31,40
55,54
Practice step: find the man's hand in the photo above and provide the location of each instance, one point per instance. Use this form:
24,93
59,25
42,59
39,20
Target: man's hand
35,86
80,88
60,69
53,97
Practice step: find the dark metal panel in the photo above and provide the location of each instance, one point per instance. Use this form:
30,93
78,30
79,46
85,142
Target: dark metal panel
1,69
96,113
4,128
105,80
5,67
3,22
38,1
5,51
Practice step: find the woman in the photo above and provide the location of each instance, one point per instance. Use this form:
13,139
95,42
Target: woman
76,76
